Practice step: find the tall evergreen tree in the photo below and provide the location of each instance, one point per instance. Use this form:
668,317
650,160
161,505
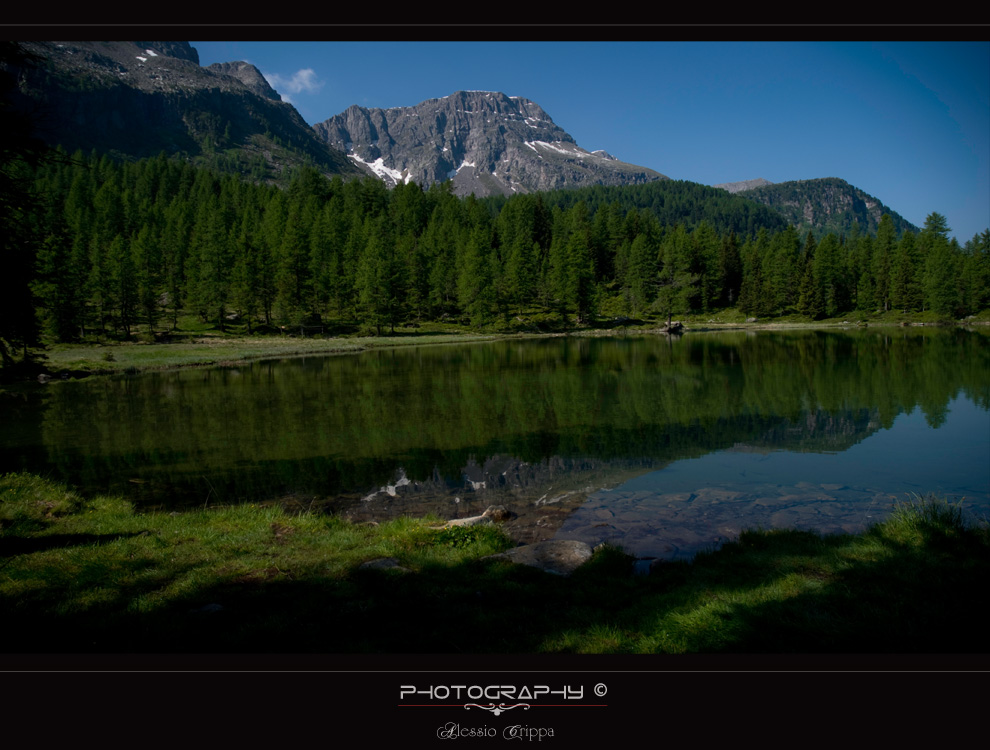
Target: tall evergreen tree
148,275
60,284
829,277
941,291
475,287
676,283
379,276
906,269
213,258
782,272
245,296
881,262
811,301
705,265
730,270
292,275
977,272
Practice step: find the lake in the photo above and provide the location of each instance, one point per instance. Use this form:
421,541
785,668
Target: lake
666,446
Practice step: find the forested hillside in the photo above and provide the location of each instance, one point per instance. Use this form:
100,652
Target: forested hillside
122,246
671,202
825,205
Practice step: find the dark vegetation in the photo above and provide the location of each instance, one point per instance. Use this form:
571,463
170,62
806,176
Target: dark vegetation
111,248
96,577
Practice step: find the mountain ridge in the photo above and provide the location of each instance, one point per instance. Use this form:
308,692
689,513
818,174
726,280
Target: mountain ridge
485,142
136,99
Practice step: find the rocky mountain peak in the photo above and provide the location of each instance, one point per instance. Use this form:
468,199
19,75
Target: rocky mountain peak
247,74
486,142
137,99
738,187
178,50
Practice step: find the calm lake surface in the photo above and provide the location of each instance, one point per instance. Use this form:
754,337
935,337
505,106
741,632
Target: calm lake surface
666,446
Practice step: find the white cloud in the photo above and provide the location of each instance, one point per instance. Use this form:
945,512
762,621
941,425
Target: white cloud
300,81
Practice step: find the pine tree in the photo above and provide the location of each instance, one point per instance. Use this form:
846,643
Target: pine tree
905,291
810,300
866,293
475,288
754,298
59,287
175,250
676,283
940,273
379,277
642,277
827,269
881,261
212,256
730,270
148,275
245,296
977,272
781,271
581,290
292,274
122,284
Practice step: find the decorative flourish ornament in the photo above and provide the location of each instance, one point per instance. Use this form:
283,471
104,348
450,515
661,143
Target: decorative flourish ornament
500,708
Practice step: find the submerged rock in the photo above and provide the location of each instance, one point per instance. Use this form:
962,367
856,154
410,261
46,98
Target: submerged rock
558,556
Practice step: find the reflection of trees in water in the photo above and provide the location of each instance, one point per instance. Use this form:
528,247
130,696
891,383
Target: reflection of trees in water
341,424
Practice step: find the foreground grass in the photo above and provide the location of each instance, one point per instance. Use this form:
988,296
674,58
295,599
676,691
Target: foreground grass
95,576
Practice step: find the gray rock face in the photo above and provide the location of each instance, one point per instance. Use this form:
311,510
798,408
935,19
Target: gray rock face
247,74
826,204
486,142
178,50
737,187
146,66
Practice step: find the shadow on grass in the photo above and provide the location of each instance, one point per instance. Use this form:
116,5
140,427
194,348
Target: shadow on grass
901,597
920,597
481,606
11,546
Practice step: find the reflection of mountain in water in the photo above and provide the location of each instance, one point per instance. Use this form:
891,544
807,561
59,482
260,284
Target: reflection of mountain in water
502,422
542,494
816,431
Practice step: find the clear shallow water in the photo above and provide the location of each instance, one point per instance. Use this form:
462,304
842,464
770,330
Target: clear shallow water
664,445
695,504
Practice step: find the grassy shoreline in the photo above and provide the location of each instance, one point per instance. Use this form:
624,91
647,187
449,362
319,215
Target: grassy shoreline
202,346
223,352
92,575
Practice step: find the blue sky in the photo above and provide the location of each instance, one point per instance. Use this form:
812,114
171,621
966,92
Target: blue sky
907,122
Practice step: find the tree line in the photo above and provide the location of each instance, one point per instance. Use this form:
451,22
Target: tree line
117,245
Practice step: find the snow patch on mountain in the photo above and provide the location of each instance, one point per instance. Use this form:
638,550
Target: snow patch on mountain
378,167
